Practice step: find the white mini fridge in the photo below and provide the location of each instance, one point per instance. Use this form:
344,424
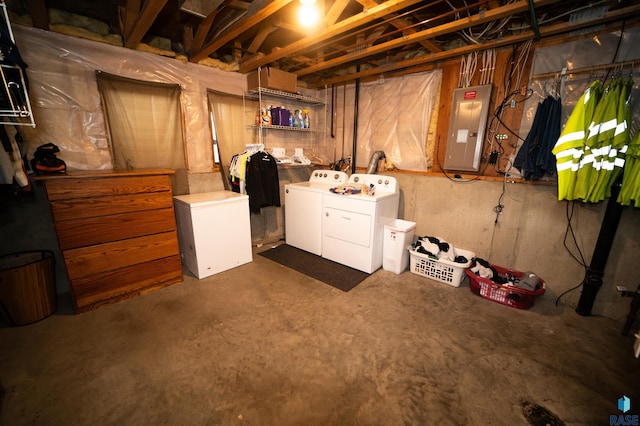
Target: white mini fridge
214,231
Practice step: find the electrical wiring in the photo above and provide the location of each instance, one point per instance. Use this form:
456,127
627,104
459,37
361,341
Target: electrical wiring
570,206
488,66
486,33
514,95
499,208
556,17
468,67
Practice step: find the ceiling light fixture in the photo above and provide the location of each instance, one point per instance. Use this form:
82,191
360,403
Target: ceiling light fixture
308,15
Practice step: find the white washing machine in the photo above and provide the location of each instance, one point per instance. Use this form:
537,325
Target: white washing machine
353,223
303,209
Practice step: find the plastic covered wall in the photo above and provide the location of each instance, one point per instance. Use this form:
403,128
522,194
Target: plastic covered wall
66,102
394,115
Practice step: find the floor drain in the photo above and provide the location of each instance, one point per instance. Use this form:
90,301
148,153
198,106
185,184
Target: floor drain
537,415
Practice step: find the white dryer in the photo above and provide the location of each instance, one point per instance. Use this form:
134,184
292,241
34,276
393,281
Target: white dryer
353,220
303,209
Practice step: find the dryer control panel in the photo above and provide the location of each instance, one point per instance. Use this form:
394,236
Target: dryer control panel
381,183
328,176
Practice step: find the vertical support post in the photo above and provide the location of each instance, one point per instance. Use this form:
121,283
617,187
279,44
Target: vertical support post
593,277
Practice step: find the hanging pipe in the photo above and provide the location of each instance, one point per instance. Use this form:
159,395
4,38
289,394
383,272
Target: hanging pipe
534,20
593,277
333,123
333,111
355,124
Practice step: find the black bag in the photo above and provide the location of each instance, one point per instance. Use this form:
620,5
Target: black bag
45,161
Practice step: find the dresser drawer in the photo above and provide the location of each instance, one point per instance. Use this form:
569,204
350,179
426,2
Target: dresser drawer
109,287
79,208
104,229
101,187
101,258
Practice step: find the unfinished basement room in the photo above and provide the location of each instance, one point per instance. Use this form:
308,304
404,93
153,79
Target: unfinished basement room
319,212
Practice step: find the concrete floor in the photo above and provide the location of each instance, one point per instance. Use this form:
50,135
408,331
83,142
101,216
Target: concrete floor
264,345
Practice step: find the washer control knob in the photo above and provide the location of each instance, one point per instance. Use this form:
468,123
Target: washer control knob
356,179
379,181
386,182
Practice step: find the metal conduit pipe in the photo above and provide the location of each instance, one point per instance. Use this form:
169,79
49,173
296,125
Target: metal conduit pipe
534,20
355,124
373,162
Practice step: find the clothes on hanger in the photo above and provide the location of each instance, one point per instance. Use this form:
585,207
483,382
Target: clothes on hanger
262,182
590,152
255,172
534,158
630,189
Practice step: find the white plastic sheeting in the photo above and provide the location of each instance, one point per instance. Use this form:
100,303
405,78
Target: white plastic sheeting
393,116
66,102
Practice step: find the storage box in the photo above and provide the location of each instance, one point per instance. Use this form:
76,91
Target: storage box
513,296
398,235
273,78
445,271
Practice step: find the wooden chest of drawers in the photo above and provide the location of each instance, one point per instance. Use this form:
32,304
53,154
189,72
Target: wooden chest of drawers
117,233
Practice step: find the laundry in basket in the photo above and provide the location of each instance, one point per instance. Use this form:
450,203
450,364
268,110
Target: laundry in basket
434,258
503,285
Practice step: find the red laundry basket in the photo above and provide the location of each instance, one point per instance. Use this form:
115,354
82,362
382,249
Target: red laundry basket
513,296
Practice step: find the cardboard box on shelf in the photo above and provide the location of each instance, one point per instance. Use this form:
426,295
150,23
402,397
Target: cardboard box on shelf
273,78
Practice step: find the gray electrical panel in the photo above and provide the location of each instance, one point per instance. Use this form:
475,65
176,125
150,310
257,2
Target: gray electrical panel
466,128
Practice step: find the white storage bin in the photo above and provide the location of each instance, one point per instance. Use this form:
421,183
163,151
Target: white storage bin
398,236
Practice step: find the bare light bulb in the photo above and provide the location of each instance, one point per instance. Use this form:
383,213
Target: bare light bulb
308,15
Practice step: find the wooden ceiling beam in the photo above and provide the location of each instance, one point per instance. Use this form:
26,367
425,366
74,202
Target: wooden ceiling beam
146,17
341,27
202,31
335,11
129,16
238,28
404,25
39,15
262,35
187,37
460,24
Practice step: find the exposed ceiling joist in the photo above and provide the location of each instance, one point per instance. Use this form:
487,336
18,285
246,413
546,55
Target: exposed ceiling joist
239,28
38,11
146,17
553,30
460,24
332,31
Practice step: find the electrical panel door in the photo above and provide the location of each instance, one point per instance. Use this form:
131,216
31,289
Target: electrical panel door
466,127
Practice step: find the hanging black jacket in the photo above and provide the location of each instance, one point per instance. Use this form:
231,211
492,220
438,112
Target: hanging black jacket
262,182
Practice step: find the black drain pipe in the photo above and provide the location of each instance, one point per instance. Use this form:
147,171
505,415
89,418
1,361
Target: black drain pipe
593,277
355,124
